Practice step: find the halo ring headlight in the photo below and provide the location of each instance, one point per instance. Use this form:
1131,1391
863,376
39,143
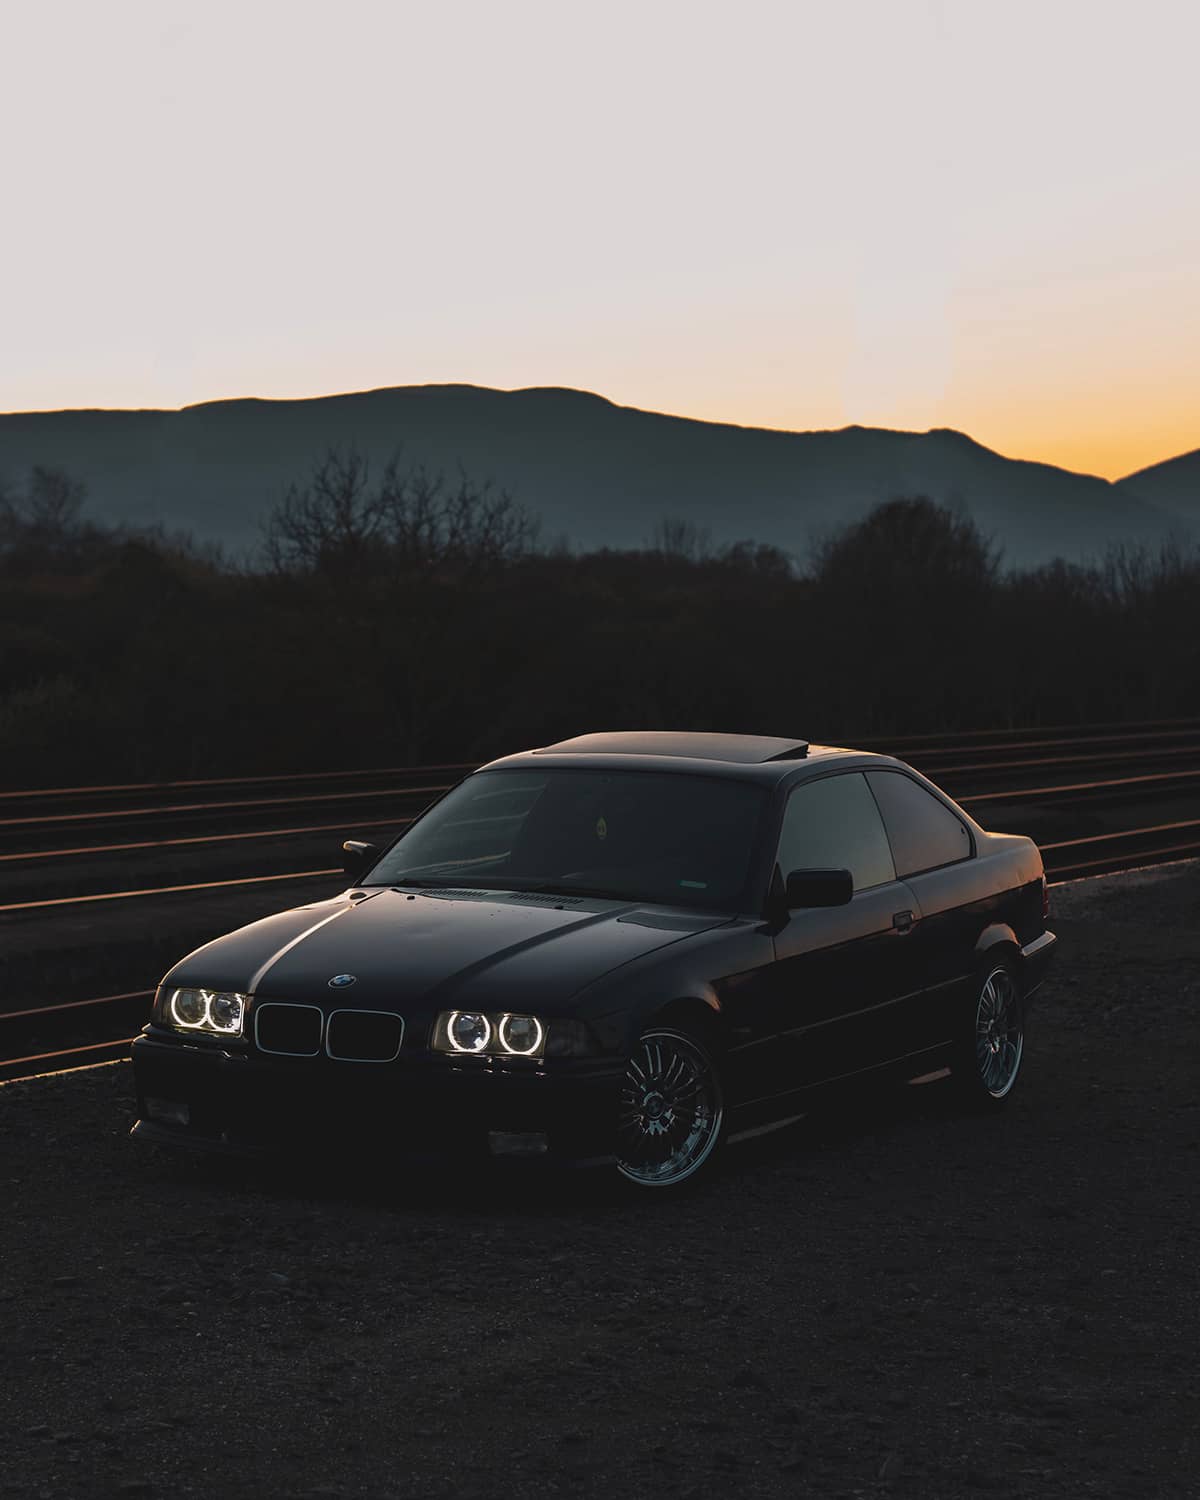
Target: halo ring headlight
522,1036
190,1008
210,1012
468,1031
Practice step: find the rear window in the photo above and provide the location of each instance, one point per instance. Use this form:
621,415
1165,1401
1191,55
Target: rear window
924,833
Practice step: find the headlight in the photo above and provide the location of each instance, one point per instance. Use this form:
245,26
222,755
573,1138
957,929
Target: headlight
468,1031
460,1032
226,1012
521,1035
187,1007
217,1012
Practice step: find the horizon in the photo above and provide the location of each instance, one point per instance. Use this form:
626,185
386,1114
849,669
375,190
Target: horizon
900,216
610,401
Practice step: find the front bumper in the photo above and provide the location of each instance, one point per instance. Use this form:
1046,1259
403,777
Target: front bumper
240,1103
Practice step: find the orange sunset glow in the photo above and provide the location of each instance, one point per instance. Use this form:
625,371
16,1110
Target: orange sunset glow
910,215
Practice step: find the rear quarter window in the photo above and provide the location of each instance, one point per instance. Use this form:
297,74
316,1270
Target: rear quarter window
923,832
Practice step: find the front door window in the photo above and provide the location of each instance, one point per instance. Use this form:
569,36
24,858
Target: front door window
834,823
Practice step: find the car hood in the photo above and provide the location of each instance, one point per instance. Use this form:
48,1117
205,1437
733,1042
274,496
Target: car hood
501,950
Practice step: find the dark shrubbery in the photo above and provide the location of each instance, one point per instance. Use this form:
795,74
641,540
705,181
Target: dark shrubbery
400,620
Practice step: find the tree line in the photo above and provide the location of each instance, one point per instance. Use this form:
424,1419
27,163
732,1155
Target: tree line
402,617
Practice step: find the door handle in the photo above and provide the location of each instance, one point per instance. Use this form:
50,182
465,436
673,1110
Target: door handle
903,921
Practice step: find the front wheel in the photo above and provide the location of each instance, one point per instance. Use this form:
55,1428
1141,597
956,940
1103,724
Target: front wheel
989,1060
671,1111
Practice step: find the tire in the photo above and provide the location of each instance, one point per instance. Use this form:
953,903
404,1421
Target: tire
671,1115
987,1066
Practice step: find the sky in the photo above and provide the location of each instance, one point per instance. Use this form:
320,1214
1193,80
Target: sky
981,214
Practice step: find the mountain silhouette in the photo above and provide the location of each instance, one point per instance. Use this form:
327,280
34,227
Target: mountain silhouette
1173,486
596,473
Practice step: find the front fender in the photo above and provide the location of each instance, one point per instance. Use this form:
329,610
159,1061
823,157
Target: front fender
699,972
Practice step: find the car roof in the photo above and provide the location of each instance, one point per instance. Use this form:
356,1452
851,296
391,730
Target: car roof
743,749
755,757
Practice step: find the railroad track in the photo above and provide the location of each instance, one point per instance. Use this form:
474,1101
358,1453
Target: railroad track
74,846
112,817
71,846
1067,786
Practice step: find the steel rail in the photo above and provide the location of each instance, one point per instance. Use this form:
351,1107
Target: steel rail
1127,833
203,838
1097,838
267,833
1078,786
1147,857
35,1057
167,786
1130,869
956,736
932,744
1045,792
40,1073
46,1010
167,890
931,749
1101,757
205,807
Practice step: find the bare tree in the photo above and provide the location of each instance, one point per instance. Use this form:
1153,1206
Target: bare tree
53,501
329,524
681,540
1134,575
340,523
43,519
391,559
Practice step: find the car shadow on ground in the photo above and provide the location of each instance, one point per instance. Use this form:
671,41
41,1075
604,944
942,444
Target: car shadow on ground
474,1189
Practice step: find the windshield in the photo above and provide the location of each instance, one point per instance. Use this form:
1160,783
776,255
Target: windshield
634,835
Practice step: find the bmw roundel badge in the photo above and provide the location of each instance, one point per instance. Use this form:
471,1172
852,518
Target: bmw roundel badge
341,981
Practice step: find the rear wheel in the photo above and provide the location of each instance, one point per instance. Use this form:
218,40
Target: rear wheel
989,1061
671,1113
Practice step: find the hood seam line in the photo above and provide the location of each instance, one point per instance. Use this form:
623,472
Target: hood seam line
265,969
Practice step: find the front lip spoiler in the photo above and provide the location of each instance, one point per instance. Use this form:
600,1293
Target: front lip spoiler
151,1133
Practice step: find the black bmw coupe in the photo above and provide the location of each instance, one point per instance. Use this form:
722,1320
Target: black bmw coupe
624,948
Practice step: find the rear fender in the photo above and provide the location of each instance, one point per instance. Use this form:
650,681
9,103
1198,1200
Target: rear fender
996,941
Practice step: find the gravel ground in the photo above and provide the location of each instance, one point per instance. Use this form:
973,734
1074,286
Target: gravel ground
900,1302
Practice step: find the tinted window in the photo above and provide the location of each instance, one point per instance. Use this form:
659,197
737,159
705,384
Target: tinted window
923,831
834,823
636,835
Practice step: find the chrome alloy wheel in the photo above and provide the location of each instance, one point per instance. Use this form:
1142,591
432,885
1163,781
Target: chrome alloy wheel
999,1035
670,1111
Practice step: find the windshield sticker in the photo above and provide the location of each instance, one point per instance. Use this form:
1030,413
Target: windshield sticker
695,885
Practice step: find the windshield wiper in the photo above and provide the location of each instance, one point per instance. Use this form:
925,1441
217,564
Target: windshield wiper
511,887
600,891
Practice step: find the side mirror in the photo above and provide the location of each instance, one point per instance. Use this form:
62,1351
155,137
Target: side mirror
357,856
819,888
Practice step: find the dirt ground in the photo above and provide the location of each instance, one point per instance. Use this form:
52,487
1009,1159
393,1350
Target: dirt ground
898,1302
